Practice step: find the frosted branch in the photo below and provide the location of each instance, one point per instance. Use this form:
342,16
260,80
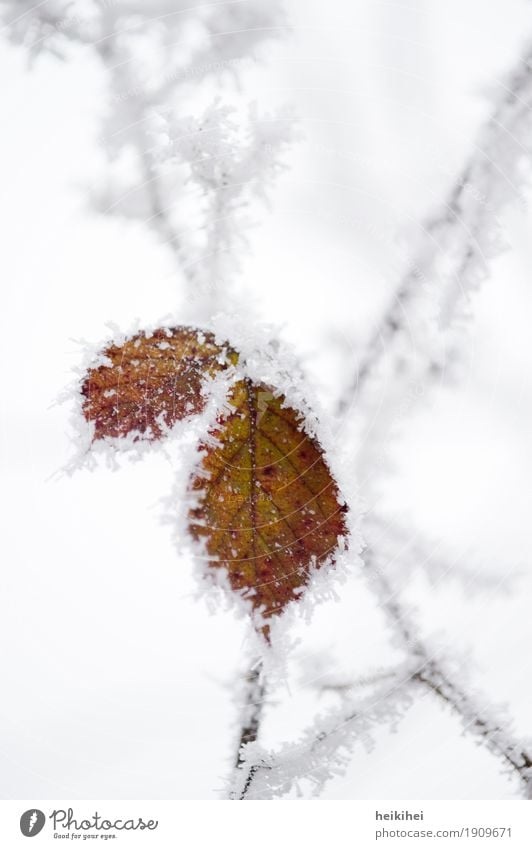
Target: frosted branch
192,195
489,726
483,723
404,551
415,338
255,690
324,750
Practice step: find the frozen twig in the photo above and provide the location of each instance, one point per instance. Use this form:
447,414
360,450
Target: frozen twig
456,244
479,721
324,749
486,724
347,686
250,725
404,552
188,177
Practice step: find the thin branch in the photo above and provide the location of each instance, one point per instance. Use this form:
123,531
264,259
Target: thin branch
457,241
160,220
515,754
151,105
431,673
118,66
404,551
349,686
324,749
255,690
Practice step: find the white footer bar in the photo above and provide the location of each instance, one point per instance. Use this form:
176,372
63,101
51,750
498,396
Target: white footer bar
266,825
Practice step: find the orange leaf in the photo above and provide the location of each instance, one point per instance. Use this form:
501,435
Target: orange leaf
268,508
151,381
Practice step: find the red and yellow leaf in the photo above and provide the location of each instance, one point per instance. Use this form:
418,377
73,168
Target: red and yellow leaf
151,382
268,509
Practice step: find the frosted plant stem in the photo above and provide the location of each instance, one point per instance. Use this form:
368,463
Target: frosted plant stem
430,672
159,221
490,731
212,166
323,750
460,231
406,552
251,719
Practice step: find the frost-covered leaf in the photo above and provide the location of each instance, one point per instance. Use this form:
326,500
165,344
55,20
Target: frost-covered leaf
150,382
268,509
